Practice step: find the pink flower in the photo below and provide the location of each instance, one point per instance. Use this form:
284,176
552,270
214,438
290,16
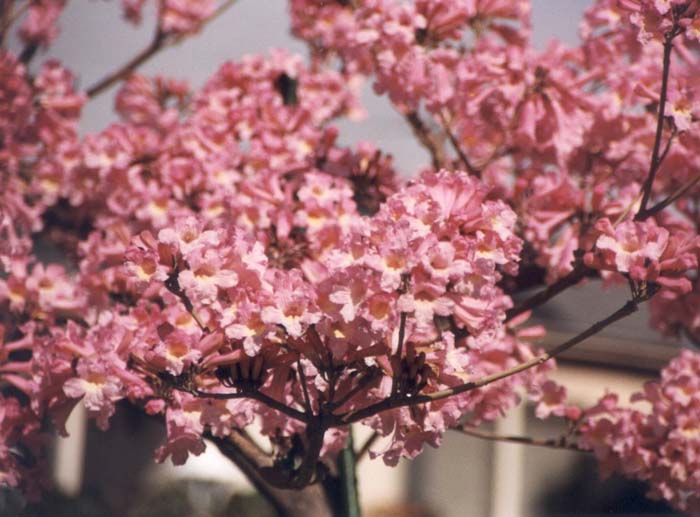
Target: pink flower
292,304
98,388
551,400
144,101
185,16
189,237
630,245
645,251
206,274
133,10
185,430
661,447
174,352
40,27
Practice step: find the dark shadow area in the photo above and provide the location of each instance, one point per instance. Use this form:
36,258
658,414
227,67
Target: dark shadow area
186,498
583,493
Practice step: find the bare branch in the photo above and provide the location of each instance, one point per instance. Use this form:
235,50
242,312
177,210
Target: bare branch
160,41
362,451
366,379
427,138
172,285
254,395
304,387
28,52
458,148
9,15
579,272
656,157
399,353
156,44
552,443
658,207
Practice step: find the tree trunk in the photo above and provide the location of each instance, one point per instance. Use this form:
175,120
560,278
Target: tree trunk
336,495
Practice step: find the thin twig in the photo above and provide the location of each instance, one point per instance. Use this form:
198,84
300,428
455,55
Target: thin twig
672,198
304,387
552,443
160,41
427,138
173,286
130,66
28,52
362,451
361,385
642,215
396,402
656,158
577,274
399,354
458,148
9,17
669,143
254,395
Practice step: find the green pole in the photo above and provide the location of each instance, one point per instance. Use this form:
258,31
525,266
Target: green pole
348,479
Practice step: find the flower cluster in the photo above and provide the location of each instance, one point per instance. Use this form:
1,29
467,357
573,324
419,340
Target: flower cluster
38,120
646,252
660,446
175,17
409,47
655,19
40,27
420,272
678,314
21,448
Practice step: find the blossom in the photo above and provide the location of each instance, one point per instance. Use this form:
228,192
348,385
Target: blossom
292,306
184,436
40,27
645,251
98,388
632,442
185,16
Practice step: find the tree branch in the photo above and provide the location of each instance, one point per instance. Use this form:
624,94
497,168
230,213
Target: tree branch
8,16
656,158
160,41
28,52
246,456
396,402
362,451
304,387
254,395
471,169
305,474
577,274
552,443
427,138
156,44
658,207
362,383
399,353
172,285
